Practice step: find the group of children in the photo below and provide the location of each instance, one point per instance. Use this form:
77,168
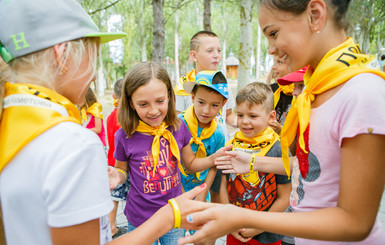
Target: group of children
164,155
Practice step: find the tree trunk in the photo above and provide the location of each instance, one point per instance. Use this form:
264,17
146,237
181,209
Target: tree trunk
245,43
159,32
176,49
207,15
258,59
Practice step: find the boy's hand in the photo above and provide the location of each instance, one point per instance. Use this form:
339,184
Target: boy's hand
222,151
276,126
238,235
234,162
250,233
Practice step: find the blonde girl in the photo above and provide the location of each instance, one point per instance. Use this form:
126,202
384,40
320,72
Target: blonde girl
150,146
339,123
53,179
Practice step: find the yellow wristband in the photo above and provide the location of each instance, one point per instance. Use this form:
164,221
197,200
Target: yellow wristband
123,172
176,210
252,163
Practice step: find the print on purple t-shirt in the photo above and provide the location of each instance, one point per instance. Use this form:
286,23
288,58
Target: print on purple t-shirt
149,192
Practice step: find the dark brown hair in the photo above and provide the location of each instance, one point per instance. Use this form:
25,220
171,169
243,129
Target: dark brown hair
138,76
299,6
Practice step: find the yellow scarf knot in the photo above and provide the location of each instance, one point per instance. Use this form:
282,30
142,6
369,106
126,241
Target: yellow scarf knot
286,89
157,132
338,66
192,123
261,144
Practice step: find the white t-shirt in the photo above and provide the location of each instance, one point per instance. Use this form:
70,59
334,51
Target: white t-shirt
353,110
59,179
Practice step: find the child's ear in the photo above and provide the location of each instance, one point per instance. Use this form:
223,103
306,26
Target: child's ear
193,55
224,102
114,96
272,116
317,12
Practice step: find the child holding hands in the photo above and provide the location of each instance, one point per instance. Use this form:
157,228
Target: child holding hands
151,145
341,136
256,190
209,93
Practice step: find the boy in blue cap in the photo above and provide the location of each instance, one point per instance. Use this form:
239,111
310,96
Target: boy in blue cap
209,94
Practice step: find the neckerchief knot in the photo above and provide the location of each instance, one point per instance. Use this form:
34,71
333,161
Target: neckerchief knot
338,66
157,132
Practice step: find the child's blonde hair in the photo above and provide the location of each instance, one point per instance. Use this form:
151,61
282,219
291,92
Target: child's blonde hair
195,40
256,93
138,76
41,68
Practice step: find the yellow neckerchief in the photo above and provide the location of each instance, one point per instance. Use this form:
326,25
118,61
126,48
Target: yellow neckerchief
287,89
261,143
189,77
159,131
337,66
206,133
95,109
28,111
116,102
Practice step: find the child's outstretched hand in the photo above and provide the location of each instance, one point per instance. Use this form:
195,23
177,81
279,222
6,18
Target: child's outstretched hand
113,177
215,222
234,162
187,205
222,151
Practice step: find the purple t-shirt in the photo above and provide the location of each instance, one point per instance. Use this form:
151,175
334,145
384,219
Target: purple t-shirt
149,192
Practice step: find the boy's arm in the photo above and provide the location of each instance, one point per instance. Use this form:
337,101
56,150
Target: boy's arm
282,202
223,195
209,181
193,164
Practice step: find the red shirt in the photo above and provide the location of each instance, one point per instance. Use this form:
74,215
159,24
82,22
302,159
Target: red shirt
112,126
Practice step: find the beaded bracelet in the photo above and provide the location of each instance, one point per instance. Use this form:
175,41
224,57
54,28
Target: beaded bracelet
252,163
123,172
176,210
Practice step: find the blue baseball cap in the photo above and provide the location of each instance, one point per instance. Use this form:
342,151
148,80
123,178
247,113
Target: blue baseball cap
206,78
27,26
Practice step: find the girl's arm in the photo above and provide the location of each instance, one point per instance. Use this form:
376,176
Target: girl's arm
160,223
98,125
362,182
163,220
117,175
194,164
238,162
208,181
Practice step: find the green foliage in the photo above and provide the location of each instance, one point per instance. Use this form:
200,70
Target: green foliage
186,16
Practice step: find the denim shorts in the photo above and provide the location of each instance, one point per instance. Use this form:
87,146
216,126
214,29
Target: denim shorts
170,238
121,191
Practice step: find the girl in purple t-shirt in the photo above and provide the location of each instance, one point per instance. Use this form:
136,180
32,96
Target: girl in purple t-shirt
150,146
